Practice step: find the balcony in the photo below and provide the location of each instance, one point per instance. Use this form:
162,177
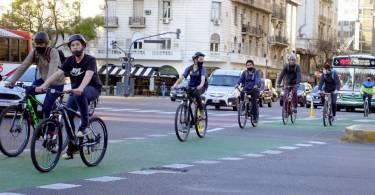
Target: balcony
157,55
263,5
278,41
216,57
137,22
325,20
111,22
278,12
101,53
252,31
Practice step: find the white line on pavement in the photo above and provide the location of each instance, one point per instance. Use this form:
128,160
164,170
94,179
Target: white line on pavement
215,129
253,155
157,135
288,147
177,166
230,158
9,193
145,111
59,186
114,141
304,145
135,138
105,179
317,142
206,162
272,152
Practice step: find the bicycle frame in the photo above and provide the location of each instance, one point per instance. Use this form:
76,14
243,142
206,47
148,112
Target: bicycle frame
188,100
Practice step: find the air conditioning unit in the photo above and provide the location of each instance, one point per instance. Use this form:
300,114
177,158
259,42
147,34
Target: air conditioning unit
148,12
217,21
166,20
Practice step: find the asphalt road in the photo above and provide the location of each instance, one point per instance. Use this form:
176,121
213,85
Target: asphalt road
145,157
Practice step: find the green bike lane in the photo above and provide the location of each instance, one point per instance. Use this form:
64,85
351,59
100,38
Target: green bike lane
17,173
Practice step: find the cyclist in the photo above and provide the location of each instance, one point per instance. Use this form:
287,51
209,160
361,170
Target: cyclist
85,82
250,80
368,89
47,60
330,83
198,75
292,72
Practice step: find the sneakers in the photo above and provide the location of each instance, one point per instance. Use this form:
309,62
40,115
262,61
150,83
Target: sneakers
201,115
67,156
82,131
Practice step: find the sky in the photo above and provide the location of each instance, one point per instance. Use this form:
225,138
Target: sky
89,7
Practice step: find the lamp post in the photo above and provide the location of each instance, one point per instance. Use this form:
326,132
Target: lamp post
127,65
106,58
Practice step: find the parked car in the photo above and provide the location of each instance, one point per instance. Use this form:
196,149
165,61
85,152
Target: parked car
10,97
315,96
275,95
178,93
303,90
221,91
265,96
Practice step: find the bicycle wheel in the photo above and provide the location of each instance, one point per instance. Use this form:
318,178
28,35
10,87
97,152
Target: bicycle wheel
365,108
255,119
242,115
14,131
93,146
285,112
325,115
201,124
293,115
182,122
46,145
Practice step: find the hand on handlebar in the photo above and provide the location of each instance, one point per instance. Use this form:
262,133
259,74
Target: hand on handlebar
41,89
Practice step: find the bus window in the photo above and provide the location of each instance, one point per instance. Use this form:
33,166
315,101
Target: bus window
4,54
23,49
14,54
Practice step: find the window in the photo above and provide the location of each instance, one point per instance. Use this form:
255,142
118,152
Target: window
256,48
235,15
138,45
166,45
138,8
167,9
216,11
23,49
14,54
215,42
249,47
4,49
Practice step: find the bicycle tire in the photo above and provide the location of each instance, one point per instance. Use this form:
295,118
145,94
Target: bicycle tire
285,113
254,122
93,137
201,134
6,151
242,112
182,111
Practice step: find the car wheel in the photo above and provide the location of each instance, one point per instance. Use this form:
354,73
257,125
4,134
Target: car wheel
308,105
234,108
270,104
281,103
260,103
217,107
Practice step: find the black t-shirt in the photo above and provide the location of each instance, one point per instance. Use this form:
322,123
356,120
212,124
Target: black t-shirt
77,71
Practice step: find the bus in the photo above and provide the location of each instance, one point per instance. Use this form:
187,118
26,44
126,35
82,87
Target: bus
352,71
15,45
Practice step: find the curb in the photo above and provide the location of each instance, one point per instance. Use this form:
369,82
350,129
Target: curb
359,134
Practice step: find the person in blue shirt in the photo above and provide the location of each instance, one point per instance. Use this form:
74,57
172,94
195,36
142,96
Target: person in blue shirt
330,83
198,79
250,80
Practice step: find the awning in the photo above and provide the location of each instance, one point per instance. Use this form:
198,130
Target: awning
135,71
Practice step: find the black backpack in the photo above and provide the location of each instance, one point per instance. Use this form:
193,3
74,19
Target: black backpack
205,86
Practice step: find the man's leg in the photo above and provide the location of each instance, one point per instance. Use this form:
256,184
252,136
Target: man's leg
294,98
72,105
50,99
369,101
334,104
254,102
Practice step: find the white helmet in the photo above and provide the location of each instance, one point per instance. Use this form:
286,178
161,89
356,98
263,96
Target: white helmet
292,56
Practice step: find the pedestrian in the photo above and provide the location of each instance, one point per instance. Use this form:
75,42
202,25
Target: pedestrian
163,89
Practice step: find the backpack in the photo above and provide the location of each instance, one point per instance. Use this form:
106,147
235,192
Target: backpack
205,86
48,56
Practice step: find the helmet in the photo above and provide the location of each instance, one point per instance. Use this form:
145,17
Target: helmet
41,37
77,37
198,54
292,56
327,66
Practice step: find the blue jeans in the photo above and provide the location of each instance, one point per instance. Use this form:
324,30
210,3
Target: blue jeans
369,99
49,100
81,102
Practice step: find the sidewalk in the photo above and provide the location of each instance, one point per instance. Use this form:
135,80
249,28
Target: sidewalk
361,133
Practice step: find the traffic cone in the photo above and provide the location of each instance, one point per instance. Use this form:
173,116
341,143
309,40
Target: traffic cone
312,113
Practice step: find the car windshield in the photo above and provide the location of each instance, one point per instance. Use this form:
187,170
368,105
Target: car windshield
316,89
223,80
352,78
28,76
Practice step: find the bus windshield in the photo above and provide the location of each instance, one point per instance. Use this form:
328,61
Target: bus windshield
352,78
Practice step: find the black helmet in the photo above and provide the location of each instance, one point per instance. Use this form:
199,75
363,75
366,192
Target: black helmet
77,37
198,54
41,37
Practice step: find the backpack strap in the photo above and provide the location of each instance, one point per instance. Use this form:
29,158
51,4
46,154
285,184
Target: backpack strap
47,56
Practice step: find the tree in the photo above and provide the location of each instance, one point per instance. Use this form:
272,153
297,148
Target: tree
55,17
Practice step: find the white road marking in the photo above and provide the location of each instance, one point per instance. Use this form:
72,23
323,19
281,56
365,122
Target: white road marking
206,162
230,158
272,152
215,129
364,120
304,145
157,135
146,111
9,193
317,142
136,138
115,141
59,186
105,179
288,147
253,155
177,166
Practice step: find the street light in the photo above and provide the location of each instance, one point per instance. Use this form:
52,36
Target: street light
128,59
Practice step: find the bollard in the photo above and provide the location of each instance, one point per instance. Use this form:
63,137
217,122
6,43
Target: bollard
312,113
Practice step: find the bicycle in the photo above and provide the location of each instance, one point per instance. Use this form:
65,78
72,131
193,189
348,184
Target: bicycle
16,121
244,112
185,119
327,110
288,108
47,139
366,109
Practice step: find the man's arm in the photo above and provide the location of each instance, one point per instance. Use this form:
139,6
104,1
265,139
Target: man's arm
23,67
321,82
281,76
50,80
241,79
298,74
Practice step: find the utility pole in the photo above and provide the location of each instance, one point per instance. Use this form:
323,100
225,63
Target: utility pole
373,29
106,58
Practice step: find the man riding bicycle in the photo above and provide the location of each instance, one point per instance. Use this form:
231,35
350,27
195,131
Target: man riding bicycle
292,72
47,60
368,89
198,75
330,83
85,81
250,80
